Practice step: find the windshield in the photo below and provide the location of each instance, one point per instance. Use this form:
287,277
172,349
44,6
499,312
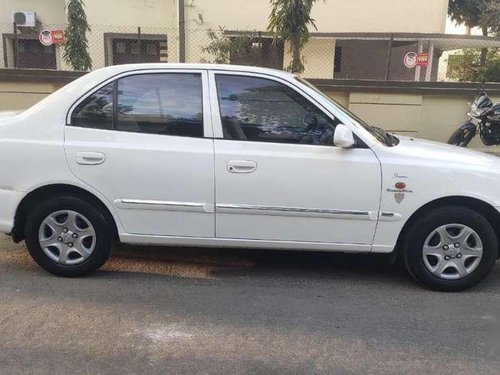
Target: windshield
482,101
380,134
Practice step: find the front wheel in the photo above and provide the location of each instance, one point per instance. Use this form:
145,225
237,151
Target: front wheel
67,236
462,137
450,249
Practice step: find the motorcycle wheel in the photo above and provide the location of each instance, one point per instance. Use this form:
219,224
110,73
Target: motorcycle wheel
461,137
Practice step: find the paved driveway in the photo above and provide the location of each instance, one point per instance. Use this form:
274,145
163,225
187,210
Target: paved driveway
188,311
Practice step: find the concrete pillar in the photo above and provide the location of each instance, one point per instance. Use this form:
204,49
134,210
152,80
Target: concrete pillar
418,69
428,72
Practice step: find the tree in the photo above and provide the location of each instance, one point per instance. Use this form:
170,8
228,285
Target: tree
465,12
491,72
222,46
290,21
76,47
484,14
492,16
466,67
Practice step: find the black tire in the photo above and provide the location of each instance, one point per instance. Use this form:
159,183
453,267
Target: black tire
461,137
417,234
104,235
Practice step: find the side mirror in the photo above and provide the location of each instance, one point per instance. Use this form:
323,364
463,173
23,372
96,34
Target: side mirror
343,136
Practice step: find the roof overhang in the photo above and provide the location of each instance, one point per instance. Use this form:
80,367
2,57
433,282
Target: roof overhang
444,42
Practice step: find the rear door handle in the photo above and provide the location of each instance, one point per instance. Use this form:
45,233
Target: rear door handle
241,166
90,158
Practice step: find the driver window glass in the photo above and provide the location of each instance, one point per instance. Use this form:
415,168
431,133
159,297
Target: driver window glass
263,110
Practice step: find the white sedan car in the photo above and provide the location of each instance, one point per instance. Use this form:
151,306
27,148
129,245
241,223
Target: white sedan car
228,156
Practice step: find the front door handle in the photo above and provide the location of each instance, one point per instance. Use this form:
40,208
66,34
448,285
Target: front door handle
241,166
90,158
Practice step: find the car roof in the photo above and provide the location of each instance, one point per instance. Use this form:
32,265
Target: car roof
117,69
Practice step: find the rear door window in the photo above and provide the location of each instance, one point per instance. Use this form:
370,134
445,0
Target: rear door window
96,111
166,104
156,103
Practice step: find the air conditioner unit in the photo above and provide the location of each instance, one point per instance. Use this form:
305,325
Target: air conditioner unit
24,18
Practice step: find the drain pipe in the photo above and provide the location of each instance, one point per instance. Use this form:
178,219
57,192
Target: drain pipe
182,33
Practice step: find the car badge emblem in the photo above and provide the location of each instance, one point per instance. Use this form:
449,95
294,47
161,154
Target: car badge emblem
399,197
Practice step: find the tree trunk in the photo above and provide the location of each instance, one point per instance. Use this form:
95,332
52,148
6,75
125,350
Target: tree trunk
484,53
296,60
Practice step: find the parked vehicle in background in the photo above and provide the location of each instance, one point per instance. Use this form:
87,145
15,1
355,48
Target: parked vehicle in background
229,156
484,118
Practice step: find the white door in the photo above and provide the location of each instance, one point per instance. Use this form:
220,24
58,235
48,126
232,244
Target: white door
279,176
143,141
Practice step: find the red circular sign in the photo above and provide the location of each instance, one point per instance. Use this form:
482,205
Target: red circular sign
46,38
410,60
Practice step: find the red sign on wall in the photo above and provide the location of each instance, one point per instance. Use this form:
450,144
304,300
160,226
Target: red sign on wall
45,37
50,37
422,59
58,36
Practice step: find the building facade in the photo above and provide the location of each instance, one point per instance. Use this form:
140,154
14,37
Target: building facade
351,40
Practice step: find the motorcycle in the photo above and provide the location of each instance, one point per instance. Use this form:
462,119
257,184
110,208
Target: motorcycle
484,118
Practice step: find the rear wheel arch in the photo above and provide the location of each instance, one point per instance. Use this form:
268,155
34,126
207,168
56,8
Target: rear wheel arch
481,207
49,191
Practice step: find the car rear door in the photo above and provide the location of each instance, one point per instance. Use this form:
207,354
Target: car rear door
144,141
278,175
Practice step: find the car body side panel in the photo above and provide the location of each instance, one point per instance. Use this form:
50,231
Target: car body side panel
159,185
9,200
430,171
298,192
32,149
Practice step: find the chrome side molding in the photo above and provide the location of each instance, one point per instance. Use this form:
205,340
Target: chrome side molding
389,216
144,204
248,209
293,211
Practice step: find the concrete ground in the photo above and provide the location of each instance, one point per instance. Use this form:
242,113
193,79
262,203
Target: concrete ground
193,311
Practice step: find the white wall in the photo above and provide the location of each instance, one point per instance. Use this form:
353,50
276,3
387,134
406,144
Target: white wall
415,16
145,13
47,11
331,16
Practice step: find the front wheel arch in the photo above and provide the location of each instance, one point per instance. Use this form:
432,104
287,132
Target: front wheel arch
481,207
48,191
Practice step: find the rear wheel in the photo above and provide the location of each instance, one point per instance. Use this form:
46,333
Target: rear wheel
450,248
462,137
68,237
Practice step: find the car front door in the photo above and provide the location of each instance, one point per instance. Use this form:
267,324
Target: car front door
144,141
278,175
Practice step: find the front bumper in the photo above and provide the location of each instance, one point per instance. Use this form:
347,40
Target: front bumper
9,201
